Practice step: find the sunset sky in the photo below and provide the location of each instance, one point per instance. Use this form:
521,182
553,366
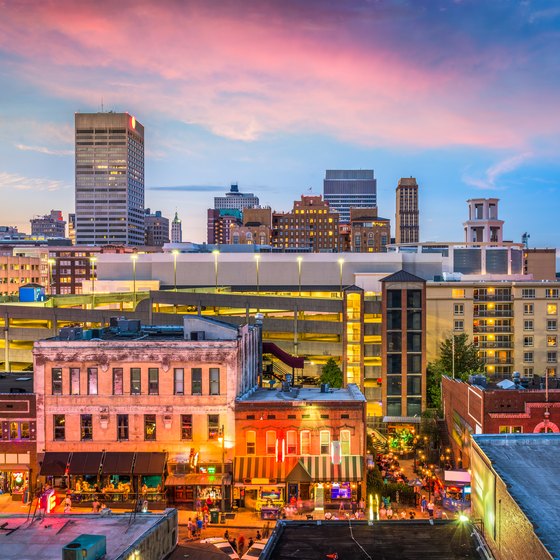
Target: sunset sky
463,95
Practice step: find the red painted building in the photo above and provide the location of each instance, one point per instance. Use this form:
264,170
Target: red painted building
475,409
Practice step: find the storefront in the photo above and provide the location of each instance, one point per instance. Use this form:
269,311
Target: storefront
54,467
14,474
455,487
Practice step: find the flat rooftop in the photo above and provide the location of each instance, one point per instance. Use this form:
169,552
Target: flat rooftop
303,395
45,538
529,466
405,540
19,382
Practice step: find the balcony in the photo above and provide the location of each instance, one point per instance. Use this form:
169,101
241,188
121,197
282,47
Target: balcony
493,329
493,361
493,313
494,344
493,297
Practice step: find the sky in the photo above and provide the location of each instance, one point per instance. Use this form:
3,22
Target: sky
463,95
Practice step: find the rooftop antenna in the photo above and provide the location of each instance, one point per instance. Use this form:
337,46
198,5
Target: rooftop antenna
102,104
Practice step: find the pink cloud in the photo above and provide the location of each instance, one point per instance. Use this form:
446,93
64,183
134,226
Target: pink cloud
244,75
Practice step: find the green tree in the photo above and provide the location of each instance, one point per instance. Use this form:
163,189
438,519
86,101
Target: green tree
332,374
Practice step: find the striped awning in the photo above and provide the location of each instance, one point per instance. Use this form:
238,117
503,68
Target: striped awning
262,470
321,468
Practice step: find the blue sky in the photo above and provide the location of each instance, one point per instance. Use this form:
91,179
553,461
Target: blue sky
462,95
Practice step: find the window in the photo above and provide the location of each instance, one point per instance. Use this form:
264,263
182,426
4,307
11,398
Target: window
213,426
270,442
122,427
414,385
551,340
551,357
135,381
150,427
196,381
528,309
86,427
528,325
59,427
179,381
118,388
325,442
305,442
551,372
458,325
528,372
511,430
56,381
214,381
551,293
527,341
458,309
528,357
153,381
92,380
74,381
458,293
551,308
394,385
251,443
551,325
291,442
19,430
186,427
528,293
345,442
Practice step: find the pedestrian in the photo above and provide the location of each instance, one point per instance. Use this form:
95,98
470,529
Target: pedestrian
403,514
389,512
250,543
430,508
96,505
423,504
383,511
67,504
240,544
258,537
226,535
233,543
199,525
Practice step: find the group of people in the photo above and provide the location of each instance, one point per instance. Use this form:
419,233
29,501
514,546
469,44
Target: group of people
239,544
390,468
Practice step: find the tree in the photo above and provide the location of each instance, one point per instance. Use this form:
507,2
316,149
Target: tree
332,374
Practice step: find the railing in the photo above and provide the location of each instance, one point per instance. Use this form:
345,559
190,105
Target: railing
489,297
496,344
493,330
493,313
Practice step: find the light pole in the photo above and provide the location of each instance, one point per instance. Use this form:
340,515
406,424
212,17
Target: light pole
175,252
299,260
92,261
134,258
51,263
222,440
340,264
216,254
257,260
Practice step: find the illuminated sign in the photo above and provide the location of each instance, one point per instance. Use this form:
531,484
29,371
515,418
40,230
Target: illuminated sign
211,470
133,122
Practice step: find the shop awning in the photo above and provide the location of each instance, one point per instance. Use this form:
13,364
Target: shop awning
193,479
54,463
117,463
401,419
85,462
149,463
321,468
263,470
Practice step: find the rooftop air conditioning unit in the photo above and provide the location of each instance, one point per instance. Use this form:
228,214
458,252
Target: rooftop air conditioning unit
90,547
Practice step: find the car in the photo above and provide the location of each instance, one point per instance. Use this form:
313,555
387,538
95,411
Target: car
223,545
256,550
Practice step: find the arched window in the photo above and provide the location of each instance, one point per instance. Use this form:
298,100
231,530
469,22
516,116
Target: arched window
345,442
325,439
291,442
270,442
305,442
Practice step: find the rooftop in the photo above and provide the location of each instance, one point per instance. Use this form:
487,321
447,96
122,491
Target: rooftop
45,538
350,393
528,465
20,382
406,540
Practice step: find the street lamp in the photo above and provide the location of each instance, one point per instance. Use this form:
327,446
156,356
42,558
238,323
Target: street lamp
257,260
216,254
175,252
134,258
92,261
51,263
340,264
299,260
222,440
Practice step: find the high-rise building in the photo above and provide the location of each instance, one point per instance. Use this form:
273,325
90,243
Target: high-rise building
349,188
407,228
109,179
72,228
235,199
157,228
483,225
176,230
220,224
369,233
50,225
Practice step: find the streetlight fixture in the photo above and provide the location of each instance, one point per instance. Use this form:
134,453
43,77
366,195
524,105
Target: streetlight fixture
134,258
175,252
257,260
340,264
92,261
51,262
216,254
299,261
222,440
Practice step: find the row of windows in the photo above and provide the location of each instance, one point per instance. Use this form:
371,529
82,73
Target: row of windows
18,431
291,442
551,357
135,381
551,340
526,293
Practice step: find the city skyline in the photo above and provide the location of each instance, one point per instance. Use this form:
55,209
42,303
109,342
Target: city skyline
467,110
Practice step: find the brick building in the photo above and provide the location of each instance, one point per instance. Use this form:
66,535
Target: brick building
369,233
18,448
476,409
16,271
302,443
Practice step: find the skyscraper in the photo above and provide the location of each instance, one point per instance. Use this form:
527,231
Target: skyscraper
407,228
50,225
235,199
176,230
349,188
157,228
109,179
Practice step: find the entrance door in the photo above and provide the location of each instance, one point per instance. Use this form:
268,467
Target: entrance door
292,492
319,497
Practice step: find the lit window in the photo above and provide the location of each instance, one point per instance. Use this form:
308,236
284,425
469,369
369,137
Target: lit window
251,440
345,442
458,293
305,442
551,340
325,442
270,442
291,442
551,308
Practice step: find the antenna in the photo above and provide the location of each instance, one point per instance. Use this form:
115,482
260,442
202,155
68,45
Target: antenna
102,104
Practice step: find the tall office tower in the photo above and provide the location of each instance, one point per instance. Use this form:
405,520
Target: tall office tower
483,225
176,230
157,228
50,225
235,199
407,227
72,228
109,179
349,188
